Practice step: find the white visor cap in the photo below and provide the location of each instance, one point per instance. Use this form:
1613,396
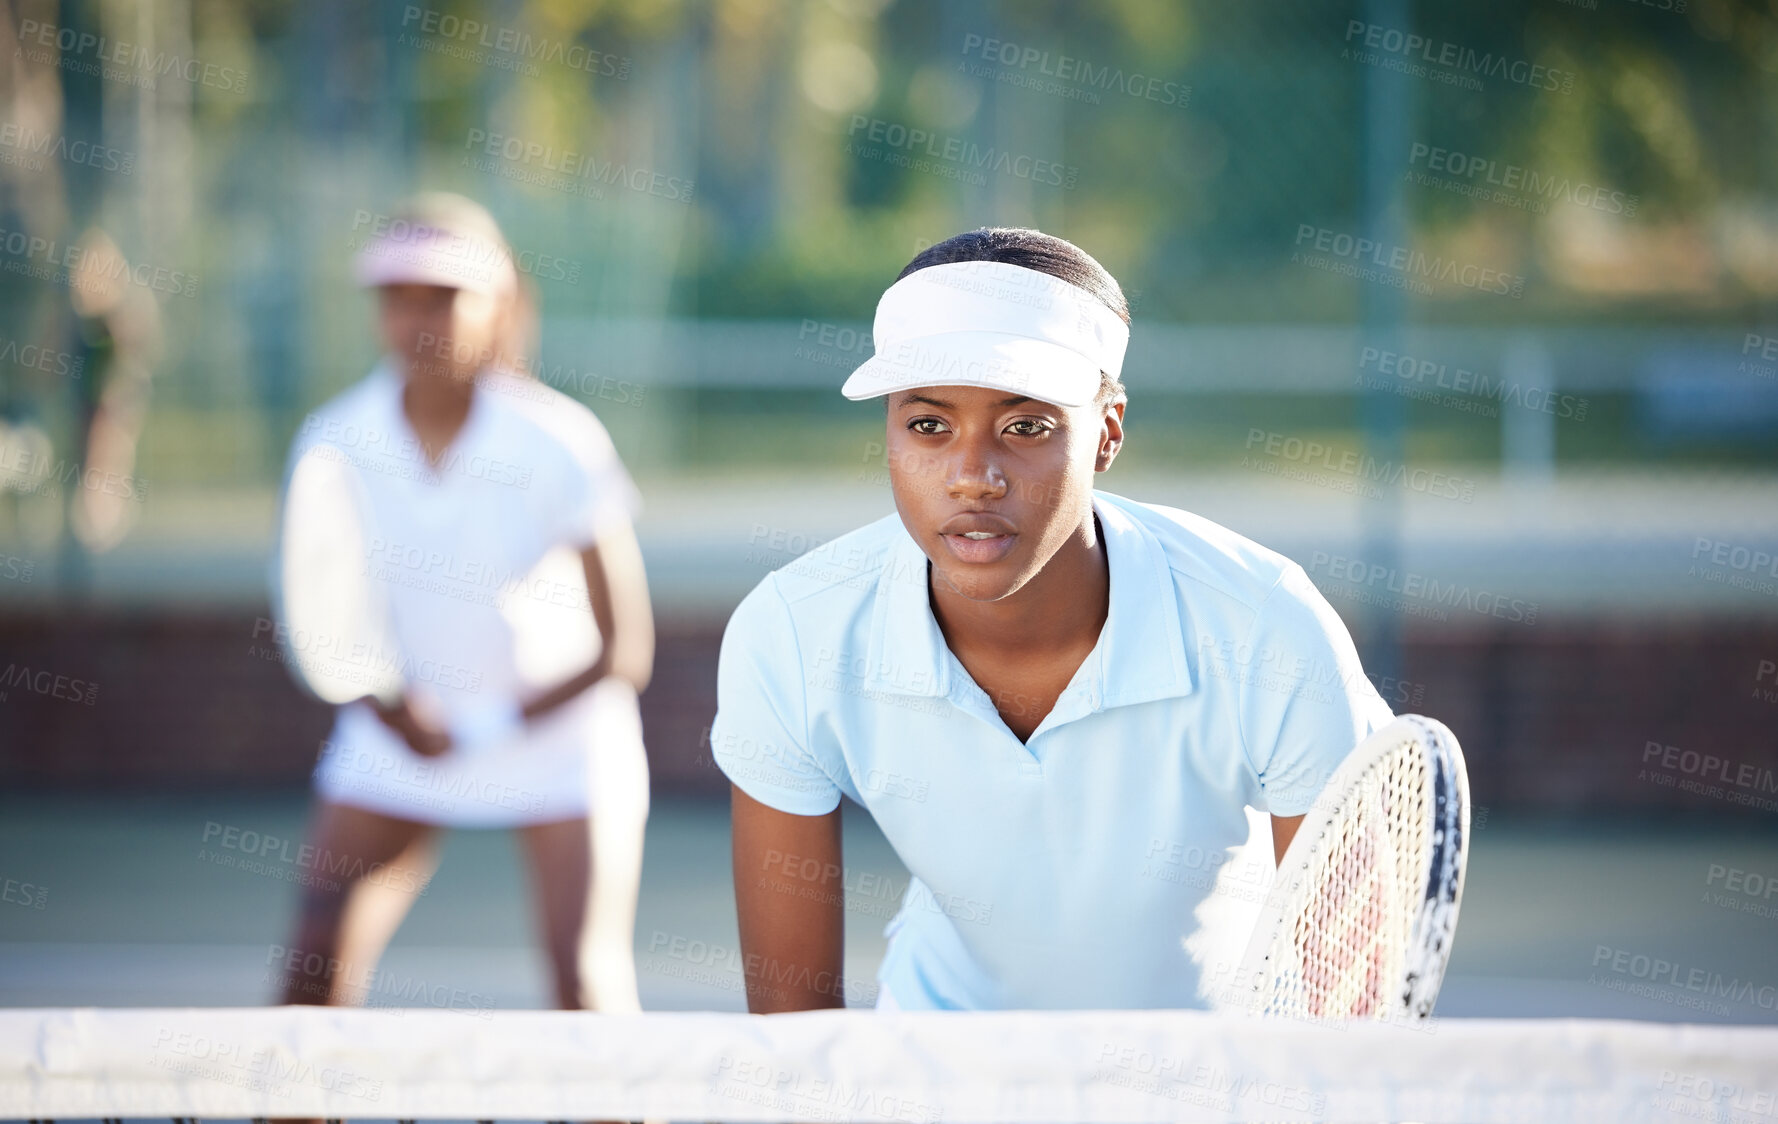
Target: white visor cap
417,253
988,323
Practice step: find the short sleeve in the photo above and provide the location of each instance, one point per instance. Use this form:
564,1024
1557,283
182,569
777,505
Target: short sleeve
759,735
601,494
1305,700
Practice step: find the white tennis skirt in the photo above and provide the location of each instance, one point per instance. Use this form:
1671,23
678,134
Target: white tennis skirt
584,758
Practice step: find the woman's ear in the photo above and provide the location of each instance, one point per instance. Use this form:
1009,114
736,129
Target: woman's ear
1111,435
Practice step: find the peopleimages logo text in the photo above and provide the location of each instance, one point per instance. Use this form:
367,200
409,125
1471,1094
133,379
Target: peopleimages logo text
1517,178
84,268
147,62
514,42
1072,69
1363,467
573,167
1453,56
960,152
1407,262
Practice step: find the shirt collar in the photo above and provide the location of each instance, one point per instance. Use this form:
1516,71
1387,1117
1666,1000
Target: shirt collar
1140,655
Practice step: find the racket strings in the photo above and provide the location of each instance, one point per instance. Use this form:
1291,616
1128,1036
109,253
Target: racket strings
336,630
1347,946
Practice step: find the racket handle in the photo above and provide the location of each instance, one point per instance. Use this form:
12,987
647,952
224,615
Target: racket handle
485,725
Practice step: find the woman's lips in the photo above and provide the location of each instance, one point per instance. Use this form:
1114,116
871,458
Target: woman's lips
978,550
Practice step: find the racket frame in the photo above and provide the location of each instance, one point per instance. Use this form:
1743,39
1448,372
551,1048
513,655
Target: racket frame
1441,870
352,538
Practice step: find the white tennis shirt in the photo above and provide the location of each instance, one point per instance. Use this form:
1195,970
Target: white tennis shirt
479,559
1117,859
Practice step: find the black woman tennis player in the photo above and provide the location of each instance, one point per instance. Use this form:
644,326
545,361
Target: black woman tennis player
502,531
1081,720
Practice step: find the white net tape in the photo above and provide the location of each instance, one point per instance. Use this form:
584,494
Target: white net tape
852,1065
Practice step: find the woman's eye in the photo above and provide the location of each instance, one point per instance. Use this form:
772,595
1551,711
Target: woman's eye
918,423
1028,427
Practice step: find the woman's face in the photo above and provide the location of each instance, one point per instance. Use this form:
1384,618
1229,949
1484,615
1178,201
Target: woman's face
1015,471
437,331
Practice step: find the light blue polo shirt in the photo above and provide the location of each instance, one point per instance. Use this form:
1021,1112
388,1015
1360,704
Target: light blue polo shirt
1118,858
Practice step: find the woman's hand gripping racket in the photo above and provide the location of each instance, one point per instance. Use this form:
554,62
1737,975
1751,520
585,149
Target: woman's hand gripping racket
334,615
1363,909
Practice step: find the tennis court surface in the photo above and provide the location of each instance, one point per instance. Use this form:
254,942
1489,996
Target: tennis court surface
187,900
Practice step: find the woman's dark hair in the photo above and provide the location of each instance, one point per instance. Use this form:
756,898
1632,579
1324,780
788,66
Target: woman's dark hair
1033,249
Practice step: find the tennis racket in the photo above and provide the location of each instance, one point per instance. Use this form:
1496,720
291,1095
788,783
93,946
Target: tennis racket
335,625
1361,915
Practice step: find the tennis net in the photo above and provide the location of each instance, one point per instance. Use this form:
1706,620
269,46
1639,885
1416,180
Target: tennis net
917,1068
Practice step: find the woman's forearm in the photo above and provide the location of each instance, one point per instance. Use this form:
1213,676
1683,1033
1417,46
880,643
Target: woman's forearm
790,900
544,702
617,595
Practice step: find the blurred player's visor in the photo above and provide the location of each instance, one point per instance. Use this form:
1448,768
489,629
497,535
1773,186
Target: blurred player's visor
991,324
414,253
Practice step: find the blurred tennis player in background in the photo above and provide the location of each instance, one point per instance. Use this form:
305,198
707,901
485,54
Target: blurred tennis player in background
498,536
1087,725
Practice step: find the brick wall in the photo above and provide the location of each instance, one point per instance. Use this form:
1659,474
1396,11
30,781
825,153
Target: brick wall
1553,718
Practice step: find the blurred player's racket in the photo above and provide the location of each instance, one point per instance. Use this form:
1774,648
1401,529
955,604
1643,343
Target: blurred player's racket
336,630
1361,915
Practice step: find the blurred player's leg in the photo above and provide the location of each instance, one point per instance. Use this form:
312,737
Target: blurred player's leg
561,877
368,868
586,875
